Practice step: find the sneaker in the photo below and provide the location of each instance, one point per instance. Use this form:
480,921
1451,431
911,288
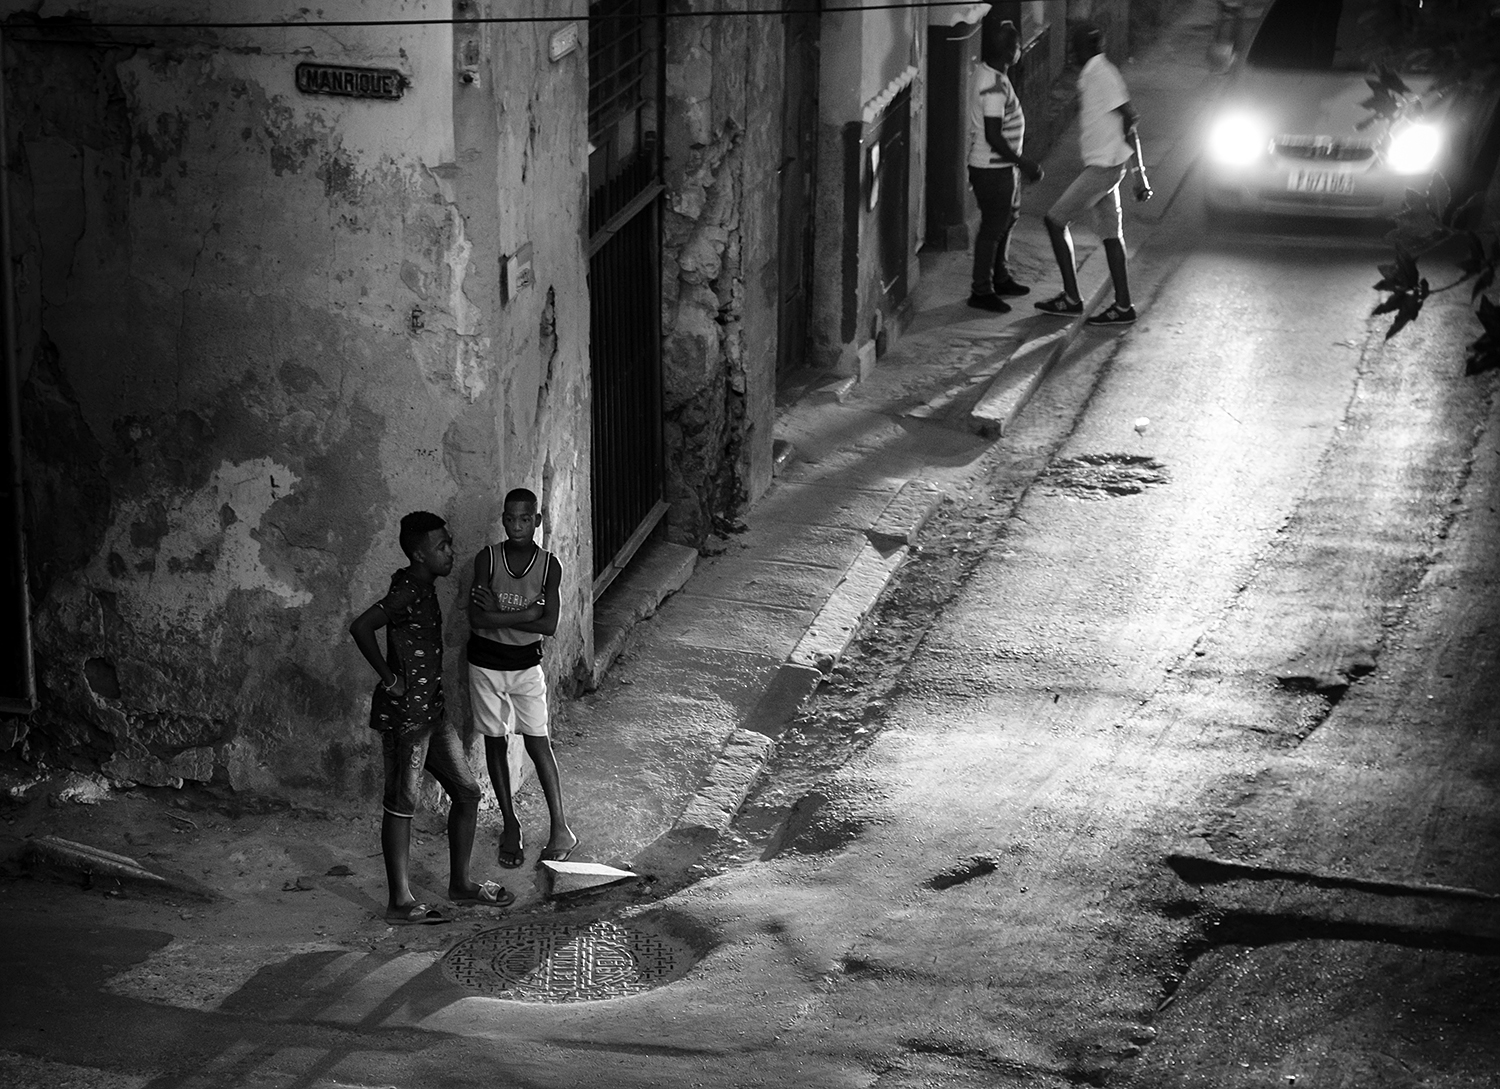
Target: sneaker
1061,305
1114,315
1011,290
990,302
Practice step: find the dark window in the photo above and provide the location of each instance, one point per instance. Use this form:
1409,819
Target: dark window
1342,35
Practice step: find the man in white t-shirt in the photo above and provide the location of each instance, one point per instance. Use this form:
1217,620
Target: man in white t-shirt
1106,127
997,129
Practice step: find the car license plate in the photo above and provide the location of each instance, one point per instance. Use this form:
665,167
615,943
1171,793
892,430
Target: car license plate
1320,181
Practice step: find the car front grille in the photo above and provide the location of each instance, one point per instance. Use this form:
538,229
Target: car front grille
1323,149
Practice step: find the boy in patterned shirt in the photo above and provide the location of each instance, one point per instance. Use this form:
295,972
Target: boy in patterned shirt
408,711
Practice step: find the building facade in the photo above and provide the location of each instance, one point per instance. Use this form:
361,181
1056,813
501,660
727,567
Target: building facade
280,279
261,314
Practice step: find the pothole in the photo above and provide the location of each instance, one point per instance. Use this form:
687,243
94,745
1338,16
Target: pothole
1104,476
826,818
960,872
550,961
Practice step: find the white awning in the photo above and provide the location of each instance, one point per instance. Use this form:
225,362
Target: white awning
953,14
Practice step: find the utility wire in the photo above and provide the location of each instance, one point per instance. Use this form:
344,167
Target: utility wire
490,20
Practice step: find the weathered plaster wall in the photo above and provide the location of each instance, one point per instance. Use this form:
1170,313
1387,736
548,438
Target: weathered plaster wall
257,327
722,145
521,178
864,55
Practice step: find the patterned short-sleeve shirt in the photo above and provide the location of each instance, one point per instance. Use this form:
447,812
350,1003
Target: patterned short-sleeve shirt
414,649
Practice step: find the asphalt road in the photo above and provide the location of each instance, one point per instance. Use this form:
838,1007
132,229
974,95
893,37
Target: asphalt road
1169,761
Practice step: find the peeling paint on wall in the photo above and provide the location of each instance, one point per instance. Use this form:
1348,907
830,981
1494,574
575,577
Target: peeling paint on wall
194,549
258,327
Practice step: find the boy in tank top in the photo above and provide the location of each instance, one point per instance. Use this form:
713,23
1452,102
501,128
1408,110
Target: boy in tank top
512,608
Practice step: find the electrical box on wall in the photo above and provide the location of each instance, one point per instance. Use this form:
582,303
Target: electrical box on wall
515,273
563,42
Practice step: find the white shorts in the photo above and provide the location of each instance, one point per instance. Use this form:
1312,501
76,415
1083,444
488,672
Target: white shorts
508,701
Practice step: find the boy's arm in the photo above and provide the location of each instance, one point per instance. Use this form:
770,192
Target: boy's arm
995,137
364,627
546,623
484,610
1128,118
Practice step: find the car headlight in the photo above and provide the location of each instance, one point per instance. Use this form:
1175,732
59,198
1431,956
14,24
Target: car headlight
1237,139
1414,149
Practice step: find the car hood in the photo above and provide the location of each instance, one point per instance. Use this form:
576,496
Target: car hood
1309,103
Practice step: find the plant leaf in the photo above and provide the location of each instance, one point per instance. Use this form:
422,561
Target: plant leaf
1399,275
1410,307
1474,262
1489,317
1391,81
1483,355
1439,196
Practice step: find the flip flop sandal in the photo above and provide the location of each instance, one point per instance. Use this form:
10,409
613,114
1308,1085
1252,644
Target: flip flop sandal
511,858
558,854
488,894
415,915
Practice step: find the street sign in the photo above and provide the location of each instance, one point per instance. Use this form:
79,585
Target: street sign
350,82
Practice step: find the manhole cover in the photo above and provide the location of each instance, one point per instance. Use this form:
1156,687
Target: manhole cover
561,962
1101,476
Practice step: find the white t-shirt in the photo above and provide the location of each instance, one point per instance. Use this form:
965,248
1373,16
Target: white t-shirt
994,97
1101,131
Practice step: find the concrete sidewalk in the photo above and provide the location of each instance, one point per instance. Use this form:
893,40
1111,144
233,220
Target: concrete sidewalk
661,755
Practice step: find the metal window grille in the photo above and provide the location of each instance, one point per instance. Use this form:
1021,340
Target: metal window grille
618,61
628,470
624,72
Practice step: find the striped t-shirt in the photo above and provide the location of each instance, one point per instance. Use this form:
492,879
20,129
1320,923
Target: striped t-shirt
994,97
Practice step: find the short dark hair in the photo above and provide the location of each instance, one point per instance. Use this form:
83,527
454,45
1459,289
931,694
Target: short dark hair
997,40
521,495
1088,38
1006,37
415,527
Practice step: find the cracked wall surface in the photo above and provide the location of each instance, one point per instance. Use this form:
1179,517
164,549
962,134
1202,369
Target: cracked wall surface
256,327
719,278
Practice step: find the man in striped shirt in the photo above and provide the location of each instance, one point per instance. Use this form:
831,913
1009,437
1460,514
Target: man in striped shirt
997,128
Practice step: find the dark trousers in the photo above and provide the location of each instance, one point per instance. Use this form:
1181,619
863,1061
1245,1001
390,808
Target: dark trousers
999,199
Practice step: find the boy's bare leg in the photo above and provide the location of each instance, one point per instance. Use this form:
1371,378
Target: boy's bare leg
395,846
1114,255
496,759
463,817
1062,251
561,839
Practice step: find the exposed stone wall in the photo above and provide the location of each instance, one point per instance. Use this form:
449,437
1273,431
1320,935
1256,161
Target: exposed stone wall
722,142
257,327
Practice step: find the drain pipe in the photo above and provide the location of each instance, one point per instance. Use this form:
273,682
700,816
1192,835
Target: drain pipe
18,693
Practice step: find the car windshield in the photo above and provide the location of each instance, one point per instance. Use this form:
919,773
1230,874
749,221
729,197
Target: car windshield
1339,36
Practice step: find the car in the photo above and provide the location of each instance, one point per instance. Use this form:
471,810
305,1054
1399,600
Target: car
1292,132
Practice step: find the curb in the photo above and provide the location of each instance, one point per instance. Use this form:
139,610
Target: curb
1010,384
1024,370
728,782
661,569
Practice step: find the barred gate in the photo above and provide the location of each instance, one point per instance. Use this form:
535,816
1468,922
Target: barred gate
628,477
